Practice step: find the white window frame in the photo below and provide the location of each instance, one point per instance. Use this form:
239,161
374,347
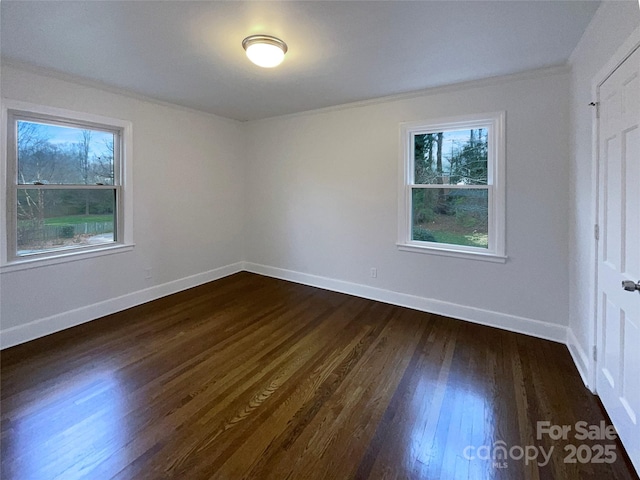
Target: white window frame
12,111
495,125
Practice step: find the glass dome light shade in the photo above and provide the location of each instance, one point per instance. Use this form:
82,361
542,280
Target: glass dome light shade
264,50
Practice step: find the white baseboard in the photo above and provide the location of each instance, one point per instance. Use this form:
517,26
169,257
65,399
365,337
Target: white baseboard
45,326
580,357
527,326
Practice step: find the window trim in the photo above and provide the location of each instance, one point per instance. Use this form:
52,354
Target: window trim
9,260
495,122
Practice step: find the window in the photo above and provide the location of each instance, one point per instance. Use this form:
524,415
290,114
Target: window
451,196
65,179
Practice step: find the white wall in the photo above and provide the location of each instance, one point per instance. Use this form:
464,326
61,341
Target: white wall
322,193
188,204
610,27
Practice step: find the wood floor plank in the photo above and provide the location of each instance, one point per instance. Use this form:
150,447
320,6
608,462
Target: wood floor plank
250,377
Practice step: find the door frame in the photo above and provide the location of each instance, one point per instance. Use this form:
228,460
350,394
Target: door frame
617,59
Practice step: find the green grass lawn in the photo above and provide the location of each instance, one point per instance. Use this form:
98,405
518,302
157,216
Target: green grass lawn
454,230
76,219
471,240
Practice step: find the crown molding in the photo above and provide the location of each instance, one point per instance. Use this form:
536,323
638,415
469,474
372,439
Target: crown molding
67,77
481,82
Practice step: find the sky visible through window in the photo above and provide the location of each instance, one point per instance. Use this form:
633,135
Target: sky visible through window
62,136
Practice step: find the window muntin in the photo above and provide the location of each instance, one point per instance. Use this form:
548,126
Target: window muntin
64,184
452,194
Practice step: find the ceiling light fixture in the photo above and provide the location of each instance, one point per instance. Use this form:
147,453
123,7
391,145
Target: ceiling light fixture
264,50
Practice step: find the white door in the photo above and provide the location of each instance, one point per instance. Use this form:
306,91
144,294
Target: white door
618,336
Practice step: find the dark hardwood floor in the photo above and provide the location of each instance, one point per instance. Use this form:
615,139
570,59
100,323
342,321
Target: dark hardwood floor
252,377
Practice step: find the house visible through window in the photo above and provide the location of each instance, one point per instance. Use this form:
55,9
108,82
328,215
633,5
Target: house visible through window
452,193
65,185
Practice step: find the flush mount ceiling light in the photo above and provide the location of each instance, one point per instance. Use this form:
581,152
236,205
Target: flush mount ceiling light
264,50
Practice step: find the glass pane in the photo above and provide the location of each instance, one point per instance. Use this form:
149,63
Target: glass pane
454,216
457,157
54,154
64,219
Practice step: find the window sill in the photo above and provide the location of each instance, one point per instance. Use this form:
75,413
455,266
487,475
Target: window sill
450,252
63,257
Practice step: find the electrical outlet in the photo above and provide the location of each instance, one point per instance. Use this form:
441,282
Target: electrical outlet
148,274
374,272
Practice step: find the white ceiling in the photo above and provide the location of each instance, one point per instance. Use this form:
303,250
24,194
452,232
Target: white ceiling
190,53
